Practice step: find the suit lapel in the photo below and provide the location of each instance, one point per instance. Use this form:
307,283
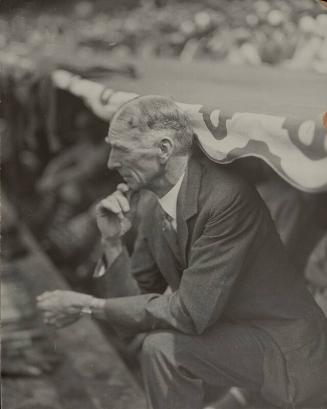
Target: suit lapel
169,264
187,204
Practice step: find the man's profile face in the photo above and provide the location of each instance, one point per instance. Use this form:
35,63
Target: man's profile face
134,156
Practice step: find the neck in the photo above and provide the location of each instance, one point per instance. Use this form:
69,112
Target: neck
173,170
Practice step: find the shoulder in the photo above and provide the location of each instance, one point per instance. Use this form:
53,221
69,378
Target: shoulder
222,186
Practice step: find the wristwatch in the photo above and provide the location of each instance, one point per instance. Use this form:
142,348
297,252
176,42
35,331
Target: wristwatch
86,311
95,305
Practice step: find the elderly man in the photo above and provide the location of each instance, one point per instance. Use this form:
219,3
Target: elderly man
238,314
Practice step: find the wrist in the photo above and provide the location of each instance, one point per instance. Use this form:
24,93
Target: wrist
111,242
111,249
97,307
93,307
84,304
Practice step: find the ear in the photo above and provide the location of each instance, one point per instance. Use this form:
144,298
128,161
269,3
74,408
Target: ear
166,147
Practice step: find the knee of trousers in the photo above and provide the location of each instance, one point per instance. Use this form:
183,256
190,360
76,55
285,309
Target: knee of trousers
158,345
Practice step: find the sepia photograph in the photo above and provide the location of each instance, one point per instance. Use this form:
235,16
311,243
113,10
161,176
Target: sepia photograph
163,204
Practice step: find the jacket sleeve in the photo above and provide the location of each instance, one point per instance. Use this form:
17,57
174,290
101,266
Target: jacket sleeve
127,275
216,261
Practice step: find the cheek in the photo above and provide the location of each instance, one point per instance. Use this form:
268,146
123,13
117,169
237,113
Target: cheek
150,166
147,162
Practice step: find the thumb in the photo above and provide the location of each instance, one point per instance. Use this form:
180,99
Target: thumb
123,187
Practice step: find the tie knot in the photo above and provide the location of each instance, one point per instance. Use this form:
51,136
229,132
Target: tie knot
168,217
167,221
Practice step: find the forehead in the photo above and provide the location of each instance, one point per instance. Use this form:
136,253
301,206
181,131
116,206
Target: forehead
122,133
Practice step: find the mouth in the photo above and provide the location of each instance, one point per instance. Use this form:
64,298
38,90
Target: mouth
126,177
131,182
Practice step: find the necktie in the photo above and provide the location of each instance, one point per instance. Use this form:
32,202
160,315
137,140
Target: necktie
170,235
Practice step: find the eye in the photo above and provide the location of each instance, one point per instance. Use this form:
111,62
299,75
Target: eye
119,148
123,149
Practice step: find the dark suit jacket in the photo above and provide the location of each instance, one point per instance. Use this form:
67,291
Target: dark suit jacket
232,268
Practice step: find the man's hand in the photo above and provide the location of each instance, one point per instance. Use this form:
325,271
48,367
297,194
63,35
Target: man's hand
113,215
61,308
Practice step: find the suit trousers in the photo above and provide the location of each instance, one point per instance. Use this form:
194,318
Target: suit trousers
176,367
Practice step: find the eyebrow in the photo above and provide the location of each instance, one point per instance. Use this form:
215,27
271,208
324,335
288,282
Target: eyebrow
116,144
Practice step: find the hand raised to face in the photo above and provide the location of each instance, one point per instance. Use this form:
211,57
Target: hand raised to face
113,214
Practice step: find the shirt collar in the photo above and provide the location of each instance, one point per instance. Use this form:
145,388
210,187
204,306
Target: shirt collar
168,202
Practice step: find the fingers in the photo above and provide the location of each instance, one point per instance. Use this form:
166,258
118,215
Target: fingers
113,213
116,203
58,307
53,322
45,295
60,320
109,204
57,319
122,187
131,196
123,202
48,302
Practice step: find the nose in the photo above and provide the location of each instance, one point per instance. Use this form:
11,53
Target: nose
113,162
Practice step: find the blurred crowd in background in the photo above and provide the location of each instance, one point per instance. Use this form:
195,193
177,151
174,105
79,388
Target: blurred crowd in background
275,32
47,133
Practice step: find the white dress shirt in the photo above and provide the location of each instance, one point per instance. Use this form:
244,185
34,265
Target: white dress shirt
168,202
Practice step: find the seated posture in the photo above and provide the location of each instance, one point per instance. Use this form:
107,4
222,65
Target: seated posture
237,314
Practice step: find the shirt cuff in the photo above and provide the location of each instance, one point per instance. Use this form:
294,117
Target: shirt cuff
101,267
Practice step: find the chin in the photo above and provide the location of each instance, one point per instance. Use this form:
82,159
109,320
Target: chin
133,185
